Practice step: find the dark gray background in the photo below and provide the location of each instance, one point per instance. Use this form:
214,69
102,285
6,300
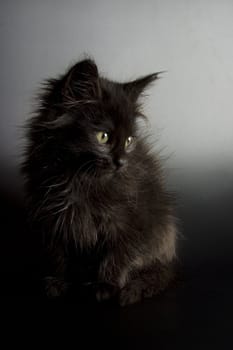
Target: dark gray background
190,109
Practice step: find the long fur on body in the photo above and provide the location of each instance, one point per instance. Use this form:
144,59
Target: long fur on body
101,212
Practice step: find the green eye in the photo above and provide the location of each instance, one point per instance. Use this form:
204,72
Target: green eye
128,141
102,137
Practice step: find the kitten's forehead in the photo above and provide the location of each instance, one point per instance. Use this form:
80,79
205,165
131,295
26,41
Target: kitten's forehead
116,104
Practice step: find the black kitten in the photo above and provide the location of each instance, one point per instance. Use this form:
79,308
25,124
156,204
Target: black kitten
95,189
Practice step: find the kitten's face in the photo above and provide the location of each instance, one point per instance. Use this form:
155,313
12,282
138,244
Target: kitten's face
103,135
98,128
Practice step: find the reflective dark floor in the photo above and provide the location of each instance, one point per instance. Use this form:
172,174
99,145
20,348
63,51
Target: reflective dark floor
196,314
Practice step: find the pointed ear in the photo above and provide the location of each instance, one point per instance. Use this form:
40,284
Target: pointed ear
136,87
81,83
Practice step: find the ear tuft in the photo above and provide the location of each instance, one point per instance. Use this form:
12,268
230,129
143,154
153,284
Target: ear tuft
81,82
136,87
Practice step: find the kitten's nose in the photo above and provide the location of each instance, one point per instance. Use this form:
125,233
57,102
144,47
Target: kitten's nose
120,162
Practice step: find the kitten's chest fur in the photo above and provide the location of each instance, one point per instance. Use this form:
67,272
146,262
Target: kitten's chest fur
102,213
101,218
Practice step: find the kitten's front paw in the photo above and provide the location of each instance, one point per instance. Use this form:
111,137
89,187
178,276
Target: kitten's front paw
130,294
105,292
55,287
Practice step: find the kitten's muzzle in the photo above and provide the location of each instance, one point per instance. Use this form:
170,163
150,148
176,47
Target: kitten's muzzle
120,162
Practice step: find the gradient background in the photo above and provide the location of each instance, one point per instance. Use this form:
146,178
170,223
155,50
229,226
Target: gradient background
190,111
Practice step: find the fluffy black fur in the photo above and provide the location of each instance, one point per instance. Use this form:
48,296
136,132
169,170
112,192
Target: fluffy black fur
100,211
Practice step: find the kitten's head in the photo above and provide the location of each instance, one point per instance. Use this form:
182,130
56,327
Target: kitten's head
92,120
